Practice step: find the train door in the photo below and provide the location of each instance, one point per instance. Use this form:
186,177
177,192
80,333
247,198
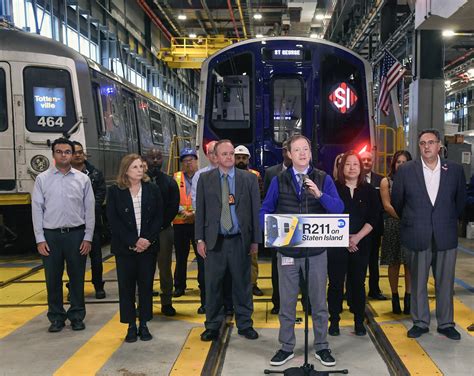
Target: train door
290,100
130,122
7,134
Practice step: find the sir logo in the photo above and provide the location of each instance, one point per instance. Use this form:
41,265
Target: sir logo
343,98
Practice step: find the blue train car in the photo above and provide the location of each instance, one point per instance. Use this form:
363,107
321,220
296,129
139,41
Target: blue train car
261,91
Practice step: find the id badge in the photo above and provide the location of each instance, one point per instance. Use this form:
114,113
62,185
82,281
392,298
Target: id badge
231,199
287,261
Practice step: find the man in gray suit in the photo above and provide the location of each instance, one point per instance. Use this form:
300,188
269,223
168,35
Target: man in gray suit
227,232
429,196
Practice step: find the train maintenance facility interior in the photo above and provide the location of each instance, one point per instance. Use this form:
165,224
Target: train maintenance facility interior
164,79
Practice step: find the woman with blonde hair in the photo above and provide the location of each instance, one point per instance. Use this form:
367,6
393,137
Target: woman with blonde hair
135,215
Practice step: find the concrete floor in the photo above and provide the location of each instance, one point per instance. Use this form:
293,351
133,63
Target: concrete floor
26,348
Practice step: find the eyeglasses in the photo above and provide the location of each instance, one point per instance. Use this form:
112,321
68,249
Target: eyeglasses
79,152
429,143
63,152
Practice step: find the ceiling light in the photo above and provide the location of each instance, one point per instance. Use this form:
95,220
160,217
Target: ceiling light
448,33
320,16
259,36
192,35
314,35
182,17
257,16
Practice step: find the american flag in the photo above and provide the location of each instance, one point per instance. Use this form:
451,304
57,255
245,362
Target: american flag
391,72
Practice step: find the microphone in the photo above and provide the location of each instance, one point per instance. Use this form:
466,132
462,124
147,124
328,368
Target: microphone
305,184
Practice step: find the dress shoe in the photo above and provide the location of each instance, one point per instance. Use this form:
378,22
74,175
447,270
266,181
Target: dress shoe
470,328
248,333
359,329
416,331
334,329
56,326
450,332
132,334
209,335
144,333
377,296
178,292
78,325
275,311
201,310
256,291
100,294
168,310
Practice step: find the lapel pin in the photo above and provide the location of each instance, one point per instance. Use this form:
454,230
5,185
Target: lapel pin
444,167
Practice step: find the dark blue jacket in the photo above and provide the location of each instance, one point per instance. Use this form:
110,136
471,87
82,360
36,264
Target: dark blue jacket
420,220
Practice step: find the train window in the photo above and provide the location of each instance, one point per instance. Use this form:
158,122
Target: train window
99,110
3,102
343,104
156,127
287,107
49,100
230,98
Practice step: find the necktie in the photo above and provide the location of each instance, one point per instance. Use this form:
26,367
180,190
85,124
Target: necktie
226,219
300,180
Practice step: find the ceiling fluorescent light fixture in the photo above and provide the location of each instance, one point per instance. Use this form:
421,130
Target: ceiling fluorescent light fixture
320,17
257,16
182,16
259,36
448,33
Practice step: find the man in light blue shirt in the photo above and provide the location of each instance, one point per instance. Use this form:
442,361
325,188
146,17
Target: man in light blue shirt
62,208
211,156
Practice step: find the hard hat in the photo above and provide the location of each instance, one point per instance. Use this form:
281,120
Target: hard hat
241,149
187,151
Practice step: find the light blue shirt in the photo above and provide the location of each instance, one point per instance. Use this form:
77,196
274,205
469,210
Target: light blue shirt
195,182
62,201
235,222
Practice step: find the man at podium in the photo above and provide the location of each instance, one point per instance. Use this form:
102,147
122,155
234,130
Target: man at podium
302,189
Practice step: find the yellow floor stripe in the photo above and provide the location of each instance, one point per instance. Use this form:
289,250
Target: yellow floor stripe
9,273
415,359
14,318
193,355
91,357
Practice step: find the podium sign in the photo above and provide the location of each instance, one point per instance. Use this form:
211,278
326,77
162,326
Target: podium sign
307,230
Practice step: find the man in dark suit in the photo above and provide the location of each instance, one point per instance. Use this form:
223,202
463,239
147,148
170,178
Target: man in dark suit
374,180
429,195
270,173
227,233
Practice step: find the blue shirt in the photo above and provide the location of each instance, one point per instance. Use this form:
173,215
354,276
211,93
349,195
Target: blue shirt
330,199
62,200
235,222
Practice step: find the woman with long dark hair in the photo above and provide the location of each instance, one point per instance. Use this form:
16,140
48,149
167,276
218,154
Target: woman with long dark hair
392,251
135,215
361,203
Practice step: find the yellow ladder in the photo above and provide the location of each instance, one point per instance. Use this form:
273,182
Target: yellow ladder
173,158
389,141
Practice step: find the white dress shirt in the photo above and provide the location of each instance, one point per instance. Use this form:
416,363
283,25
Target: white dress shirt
137,208
432,178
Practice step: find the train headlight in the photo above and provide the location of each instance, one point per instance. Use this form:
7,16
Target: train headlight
39,163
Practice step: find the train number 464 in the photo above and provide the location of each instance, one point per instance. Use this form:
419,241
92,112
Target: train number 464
50,121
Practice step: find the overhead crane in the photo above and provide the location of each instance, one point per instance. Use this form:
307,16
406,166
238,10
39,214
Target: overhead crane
189,53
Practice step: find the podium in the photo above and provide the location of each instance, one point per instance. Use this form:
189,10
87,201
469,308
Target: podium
306,231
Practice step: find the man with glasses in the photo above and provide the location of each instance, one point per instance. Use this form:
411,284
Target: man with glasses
62,207
80,163
429,195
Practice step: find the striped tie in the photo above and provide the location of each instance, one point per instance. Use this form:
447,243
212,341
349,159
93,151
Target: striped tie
226,218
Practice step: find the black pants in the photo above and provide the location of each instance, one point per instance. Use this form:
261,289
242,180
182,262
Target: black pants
183,236
65,247
132,271
233,255
342,263
374,264
96,259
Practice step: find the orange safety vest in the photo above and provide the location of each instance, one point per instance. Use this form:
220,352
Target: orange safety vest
185,200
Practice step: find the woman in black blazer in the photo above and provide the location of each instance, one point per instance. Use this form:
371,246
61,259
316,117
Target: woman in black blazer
135,215
362,205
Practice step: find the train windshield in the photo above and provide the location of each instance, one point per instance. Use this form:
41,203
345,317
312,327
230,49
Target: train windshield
344,115
49,100
3,101
287,107
232,107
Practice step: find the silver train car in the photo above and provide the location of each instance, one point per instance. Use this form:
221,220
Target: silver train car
48,90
